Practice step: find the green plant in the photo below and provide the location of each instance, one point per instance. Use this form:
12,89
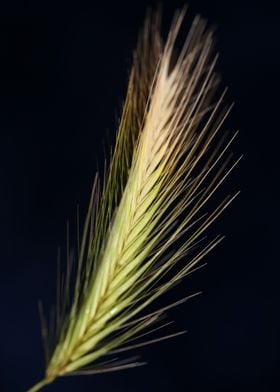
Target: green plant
145,224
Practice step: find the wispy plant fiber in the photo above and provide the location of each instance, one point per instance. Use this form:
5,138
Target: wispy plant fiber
146,222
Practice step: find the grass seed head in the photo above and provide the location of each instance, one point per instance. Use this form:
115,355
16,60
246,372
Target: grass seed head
146,221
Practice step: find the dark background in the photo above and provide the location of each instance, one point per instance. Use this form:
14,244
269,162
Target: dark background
63,72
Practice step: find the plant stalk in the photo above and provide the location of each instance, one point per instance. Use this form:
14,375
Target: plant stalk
39,385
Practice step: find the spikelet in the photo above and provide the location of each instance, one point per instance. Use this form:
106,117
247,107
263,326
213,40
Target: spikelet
145,224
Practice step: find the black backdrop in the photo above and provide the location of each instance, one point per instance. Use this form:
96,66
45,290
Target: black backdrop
63,71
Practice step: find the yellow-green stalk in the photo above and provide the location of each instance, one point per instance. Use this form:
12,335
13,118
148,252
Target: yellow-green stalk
143,228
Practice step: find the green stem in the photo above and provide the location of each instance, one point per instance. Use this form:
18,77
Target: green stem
39,386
